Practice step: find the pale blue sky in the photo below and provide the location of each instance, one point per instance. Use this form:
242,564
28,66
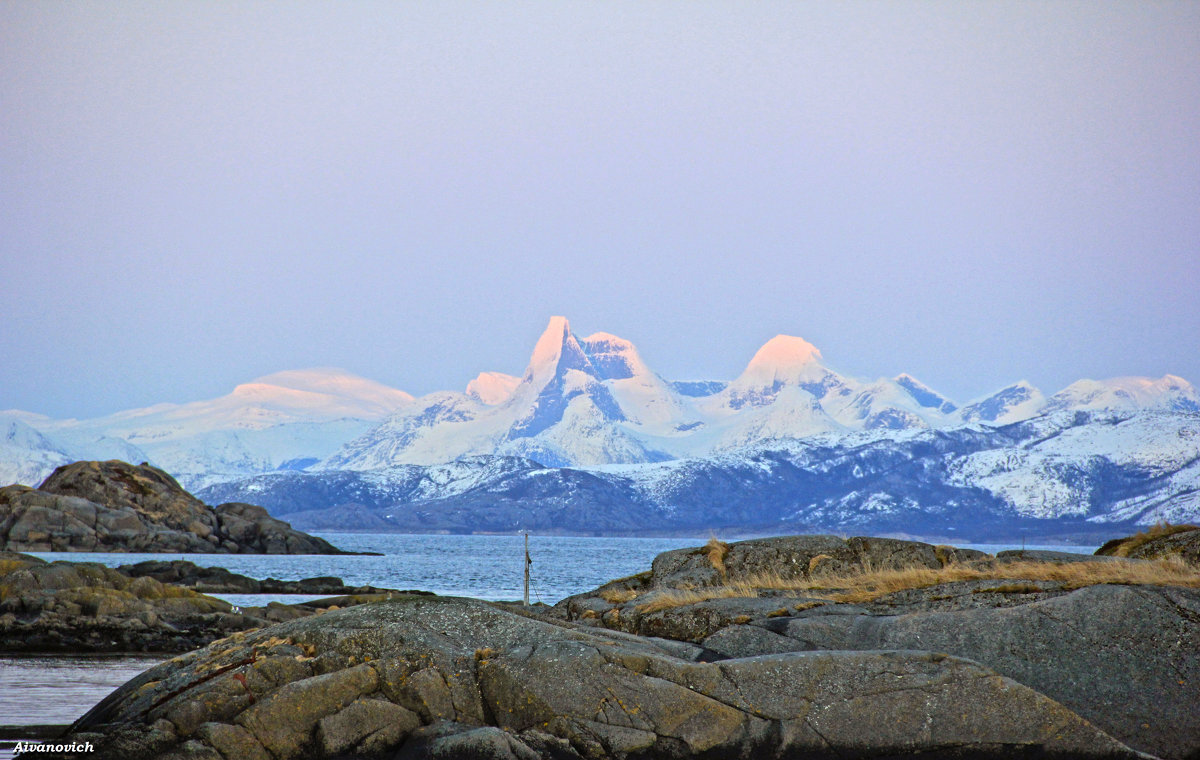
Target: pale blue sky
195,194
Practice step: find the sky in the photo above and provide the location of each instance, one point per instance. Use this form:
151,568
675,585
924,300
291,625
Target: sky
193,195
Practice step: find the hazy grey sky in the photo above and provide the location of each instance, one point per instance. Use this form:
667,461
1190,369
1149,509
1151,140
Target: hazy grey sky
195,194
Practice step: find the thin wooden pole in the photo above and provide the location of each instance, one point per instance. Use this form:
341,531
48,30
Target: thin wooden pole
528,562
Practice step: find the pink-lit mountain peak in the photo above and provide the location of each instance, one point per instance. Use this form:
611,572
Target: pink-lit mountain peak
784,352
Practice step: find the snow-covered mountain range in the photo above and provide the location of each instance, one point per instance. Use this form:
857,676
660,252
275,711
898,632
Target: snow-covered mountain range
287,419
591,410
1081,475
594,401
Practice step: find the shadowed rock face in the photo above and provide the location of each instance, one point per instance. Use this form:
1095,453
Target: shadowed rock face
440,677
115,506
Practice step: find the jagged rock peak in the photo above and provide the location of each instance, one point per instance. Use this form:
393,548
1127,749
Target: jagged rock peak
557,349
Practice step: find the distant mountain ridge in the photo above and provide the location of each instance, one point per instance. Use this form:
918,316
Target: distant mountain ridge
581,402
584,402
1077,474
260,426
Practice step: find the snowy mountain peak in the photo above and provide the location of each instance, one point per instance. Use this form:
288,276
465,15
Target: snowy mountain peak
557,350
492,388
783,361
784,352
1018,401
613,358
923,394
333,392
1169,393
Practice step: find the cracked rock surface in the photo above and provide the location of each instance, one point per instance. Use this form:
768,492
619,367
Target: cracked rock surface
433,677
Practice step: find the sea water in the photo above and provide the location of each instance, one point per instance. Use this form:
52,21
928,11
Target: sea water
57,690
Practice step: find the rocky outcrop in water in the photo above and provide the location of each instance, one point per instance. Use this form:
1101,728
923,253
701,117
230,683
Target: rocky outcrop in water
81,607
218,580
119,507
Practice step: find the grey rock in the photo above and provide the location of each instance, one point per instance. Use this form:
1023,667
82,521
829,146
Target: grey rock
1045,555
485,682
232,742
456,742
115,506
799,557
1121,656
284,721
368,722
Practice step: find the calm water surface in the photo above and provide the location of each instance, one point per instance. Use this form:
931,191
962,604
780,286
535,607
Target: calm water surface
60,689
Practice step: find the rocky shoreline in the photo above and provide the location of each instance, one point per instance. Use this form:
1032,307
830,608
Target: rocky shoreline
979,657
87,608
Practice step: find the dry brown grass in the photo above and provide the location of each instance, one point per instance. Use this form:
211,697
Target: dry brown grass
717,550
618,596
1123,547
814,564
868,584
679,598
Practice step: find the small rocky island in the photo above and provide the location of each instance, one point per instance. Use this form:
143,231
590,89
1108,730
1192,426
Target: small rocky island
154,606
118,507
793,647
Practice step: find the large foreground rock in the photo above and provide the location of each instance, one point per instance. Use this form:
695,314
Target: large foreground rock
424,677
1124,657
119,507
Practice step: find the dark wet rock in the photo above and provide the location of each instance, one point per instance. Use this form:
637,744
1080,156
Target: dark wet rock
426,677
218,580
1180,541
119,507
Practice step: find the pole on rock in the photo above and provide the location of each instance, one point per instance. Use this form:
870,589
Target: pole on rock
528,562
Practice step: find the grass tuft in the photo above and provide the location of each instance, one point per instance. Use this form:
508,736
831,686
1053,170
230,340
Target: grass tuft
618,596
717,550
678,598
